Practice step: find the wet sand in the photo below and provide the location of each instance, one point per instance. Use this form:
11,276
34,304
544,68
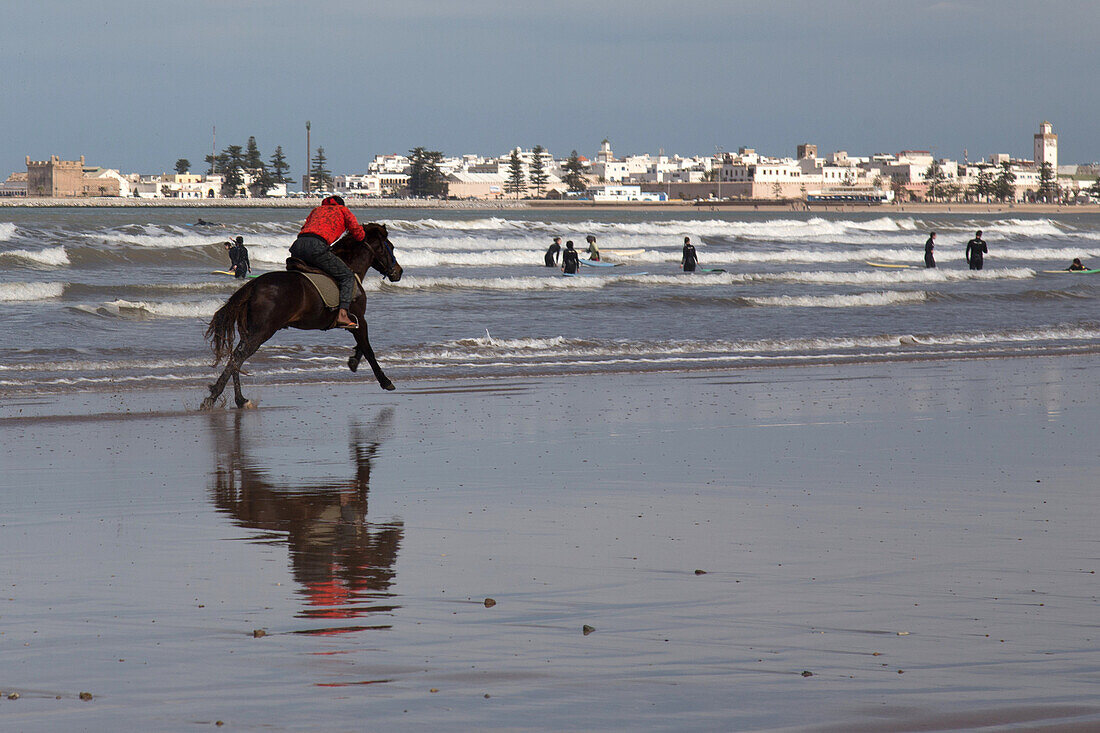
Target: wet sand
921,538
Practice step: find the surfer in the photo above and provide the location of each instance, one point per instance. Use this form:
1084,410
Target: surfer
593,250
570,260
690,258
324,225
1076,265
238,258
552,253
975,248
929,245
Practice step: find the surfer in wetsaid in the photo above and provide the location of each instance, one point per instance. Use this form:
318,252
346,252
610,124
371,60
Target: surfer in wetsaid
291,299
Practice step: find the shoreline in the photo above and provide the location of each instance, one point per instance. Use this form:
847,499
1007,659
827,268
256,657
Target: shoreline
545,205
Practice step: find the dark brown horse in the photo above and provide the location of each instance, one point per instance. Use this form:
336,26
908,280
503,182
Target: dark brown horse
277,300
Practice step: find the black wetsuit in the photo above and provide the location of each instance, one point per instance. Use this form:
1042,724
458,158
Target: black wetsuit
929,260
551,258
570,261
690,258
238,258
975,248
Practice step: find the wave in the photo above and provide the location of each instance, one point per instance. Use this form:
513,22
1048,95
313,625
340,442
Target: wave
49,257
490,347
841,301
894,277
770,230
144,309
7,230
16,292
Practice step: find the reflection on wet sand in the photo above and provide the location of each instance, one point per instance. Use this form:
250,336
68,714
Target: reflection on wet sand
343,563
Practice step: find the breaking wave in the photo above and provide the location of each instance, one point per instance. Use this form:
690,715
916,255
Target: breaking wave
49,257
841,301
16,292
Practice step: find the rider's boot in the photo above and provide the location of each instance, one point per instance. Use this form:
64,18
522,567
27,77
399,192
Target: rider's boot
343,320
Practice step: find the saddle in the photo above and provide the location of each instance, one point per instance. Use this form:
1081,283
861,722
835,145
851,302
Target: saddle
324,283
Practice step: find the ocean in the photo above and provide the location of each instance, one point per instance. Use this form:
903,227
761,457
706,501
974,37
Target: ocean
118,298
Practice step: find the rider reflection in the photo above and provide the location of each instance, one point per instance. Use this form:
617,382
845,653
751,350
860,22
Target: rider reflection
344,564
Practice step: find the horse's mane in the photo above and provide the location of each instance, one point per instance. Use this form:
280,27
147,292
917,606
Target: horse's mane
373,230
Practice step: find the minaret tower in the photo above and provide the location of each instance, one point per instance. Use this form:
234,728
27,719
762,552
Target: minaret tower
1046,147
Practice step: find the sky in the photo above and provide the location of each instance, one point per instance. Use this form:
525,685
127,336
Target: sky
137,85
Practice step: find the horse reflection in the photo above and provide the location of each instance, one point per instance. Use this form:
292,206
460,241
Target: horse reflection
343,563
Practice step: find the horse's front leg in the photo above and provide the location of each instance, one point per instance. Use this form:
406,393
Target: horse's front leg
363,348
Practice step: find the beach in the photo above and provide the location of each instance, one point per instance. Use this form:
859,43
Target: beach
896,546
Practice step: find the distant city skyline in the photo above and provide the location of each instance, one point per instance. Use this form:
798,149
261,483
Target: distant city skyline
137,85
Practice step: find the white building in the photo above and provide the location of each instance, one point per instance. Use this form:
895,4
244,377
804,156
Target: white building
1046,146
619,193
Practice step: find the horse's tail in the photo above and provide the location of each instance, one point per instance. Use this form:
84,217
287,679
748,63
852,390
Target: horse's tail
233,316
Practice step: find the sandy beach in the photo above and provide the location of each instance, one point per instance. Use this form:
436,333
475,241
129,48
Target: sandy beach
884,547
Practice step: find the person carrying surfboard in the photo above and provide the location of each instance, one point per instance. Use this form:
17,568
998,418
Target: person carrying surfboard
238,258
593,250
690,258
570,260
929,245
975,248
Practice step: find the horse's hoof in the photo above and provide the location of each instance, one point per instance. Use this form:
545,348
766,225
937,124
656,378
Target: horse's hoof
247,405
207,404
388,386
353,363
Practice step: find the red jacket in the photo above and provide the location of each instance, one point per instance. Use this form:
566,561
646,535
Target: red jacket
330,220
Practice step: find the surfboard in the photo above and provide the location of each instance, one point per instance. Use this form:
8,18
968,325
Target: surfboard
227,272
1071,272
883,264
597,263
711,269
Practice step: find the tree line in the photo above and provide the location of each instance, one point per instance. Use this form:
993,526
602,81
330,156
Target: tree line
236,164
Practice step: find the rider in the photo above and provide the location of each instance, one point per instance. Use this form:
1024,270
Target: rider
324,225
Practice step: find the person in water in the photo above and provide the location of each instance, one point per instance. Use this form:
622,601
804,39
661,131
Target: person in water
324,225
929,245
238,258
975,249
690,258
570,260
551,258
1076,265
593,250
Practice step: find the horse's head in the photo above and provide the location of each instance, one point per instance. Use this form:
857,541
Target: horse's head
378,239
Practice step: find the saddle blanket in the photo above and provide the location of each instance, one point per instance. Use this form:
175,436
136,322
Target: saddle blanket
327,288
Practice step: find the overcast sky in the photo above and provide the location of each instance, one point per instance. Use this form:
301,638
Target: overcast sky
136,85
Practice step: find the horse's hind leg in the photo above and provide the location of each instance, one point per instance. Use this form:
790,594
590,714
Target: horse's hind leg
245,349
363,348
237,396
218,387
